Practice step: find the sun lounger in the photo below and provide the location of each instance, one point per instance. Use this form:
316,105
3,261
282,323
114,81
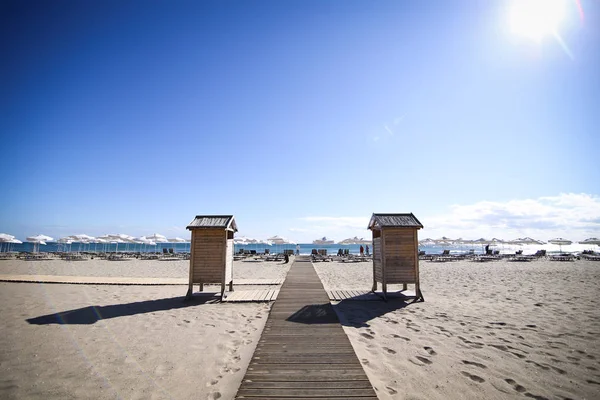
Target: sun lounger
562,257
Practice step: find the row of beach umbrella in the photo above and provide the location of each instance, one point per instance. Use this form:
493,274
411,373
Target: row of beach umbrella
495,241
153,239
83,239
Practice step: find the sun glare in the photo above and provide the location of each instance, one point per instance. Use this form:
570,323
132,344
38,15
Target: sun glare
536,19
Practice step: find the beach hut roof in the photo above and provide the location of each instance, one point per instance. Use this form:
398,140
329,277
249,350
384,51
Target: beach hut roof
407,220
227,222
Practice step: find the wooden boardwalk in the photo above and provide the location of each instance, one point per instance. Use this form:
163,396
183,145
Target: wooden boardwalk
251,295
303,351
367,295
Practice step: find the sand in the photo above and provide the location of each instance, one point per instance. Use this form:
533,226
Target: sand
131,342
135,268
486,331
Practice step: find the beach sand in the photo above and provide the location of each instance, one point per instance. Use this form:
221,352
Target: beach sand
486,331
132,342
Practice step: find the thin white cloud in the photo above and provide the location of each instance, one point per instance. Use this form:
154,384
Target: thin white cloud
387,128
399,119
570,215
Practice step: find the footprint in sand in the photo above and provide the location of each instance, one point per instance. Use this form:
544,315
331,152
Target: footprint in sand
515,385
424,360
544,367
476,364
214,396
430,350
472,377
400,337
391,390
366,336
212,382
389,350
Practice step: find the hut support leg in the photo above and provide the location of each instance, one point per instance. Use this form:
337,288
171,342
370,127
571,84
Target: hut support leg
418,294
222,288
231,286
188,295
374,288
404,286
202,287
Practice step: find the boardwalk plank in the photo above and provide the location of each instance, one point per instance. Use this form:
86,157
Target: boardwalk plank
309,384
306,392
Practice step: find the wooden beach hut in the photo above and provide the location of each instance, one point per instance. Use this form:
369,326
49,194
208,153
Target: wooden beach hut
396,251
211,258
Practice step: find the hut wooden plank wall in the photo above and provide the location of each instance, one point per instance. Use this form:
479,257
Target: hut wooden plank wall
211,258
396,251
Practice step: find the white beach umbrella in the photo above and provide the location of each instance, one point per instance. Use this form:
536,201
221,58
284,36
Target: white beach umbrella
82,239
280,240
157,237
13,241
8,239
560,242
5,238
240,240
528,240
444,240
64,242
37,240
591,241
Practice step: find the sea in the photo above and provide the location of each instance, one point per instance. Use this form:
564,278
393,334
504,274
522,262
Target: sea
305,248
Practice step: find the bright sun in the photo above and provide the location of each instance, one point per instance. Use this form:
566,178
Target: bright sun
536,19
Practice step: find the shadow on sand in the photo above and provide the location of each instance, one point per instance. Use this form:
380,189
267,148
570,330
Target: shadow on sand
92,314
314,314
357,314
349,312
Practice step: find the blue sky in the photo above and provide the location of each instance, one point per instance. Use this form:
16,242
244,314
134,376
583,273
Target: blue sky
300,118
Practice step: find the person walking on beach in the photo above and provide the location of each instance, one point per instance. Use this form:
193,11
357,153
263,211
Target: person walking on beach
367,249
362,250
297,249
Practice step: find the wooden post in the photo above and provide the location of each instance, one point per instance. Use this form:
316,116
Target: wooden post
188,296
418,294
383,265
223,277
